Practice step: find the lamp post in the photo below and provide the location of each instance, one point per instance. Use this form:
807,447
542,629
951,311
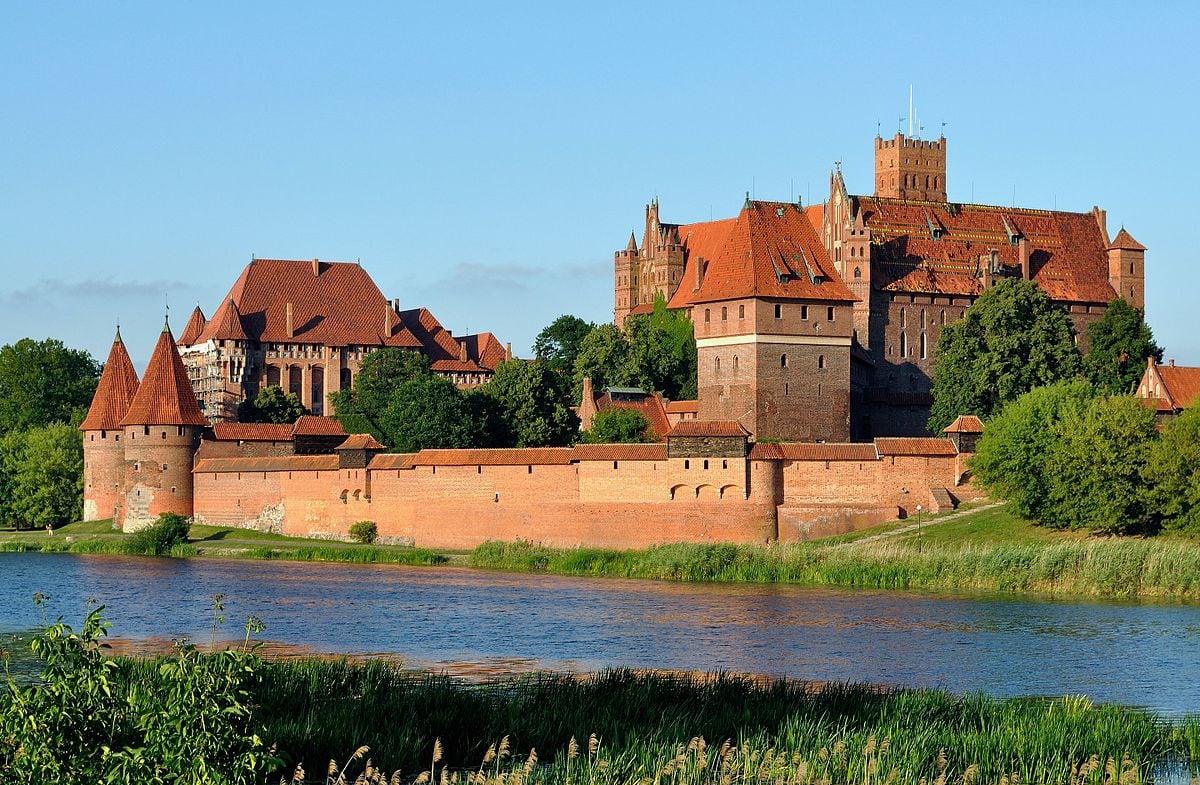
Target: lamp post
919,508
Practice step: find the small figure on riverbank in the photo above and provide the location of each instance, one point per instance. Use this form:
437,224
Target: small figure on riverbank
50,529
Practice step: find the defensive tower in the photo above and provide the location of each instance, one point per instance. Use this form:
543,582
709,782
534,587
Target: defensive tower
103,450
907,168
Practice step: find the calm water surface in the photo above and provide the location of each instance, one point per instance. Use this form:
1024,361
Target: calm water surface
469,621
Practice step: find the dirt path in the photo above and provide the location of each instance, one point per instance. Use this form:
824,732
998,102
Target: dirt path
924,524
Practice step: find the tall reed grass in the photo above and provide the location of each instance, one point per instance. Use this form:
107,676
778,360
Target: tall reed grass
355,555
1101,568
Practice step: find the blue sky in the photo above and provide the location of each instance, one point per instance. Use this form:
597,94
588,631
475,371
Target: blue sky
485,161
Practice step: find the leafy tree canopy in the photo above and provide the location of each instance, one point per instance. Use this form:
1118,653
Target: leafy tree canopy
604,358
1120,342
427,412
1012,339
43,382
533,404
1173,473
559,343
41,476
618,426
272,404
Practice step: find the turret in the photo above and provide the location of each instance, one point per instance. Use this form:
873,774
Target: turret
195,326
1127,269
103,450
161,430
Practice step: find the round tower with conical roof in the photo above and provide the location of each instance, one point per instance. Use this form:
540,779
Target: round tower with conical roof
103,448
161,431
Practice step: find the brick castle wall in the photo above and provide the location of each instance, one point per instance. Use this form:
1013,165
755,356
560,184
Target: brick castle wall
103,475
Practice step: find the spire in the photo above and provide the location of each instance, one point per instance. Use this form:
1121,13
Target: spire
632,245
165,395
195,326
117,387
226,324
1124,241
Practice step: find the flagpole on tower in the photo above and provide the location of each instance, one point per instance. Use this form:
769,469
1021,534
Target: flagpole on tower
910,111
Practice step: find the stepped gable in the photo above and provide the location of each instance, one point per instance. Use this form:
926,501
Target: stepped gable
1067,250
769,250
114,393
165,395
333,303
226,325
194,327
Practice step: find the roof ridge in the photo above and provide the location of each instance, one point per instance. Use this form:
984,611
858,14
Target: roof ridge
115,391
165,396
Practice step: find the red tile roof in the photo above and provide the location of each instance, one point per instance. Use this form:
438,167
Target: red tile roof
226,325
193,329
1181,384
486,349
683,407
1124,241
914,445
360,441
810,451
115,391
280,463
966,423
165,395
769,250
252,432
1067,251
620,452
816,216
494,457
445,351
316,425
394,460
708,428
650,407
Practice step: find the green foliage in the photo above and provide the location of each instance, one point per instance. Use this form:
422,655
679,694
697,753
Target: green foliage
1012,339
364,532
1173,473
618,426
44,382
272,405
380,373
604,358
161,537
89,718
41,476
1098,460
559,343
1120,342
533,408
1014,459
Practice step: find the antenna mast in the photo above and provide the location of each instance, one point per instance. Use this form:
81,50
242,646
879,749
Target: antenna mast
910,110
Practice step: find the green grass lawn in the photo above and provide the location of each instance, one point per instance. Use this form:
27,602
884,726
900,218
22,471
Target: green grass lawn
995,526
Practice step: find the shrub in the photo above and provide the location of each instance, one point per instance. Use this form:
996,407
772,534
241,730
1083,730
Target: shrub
364,532
159,539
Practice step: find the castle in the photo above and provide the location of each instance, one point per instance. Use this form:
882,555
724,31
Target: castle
821,322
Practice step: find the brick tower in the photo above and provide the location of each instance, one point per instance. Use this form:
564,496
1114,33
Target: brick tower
910,168
161,431
103,451
1127,269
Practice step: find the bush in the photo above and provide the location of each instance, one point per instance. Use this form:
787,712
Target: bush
159,539
364,532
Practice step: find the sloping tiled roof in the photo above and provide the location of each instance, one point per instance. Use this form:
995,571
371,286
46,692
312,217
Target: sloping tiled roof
810,451
252,432
914,445
769,250
1067,250
193,329
316,425
620,452
226,325
485,349
494,457
708,428
281,463
966,423
392,460
115,391
165,395
443,349
682,407
649,406
1124,241
360,441
816,216
1182,384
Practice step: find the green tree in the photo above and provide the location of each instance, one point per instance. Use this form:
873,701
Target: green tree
1098,460
425,413
618,426
42,476
604,358
382,371
559,343
533,403
662,352
1012,339
1013,459
43,382
1173,473
272,404
1120,343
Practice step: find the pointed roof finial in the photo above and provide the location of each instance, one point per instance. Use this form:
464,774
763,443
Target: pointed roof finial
117,337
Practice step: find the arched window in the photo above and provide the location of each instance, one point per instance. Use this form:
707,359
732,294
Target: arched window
923,345
903,345
820,361
707,316
705,463
778,311
935,181
741,312
857,272
922,318
1131,268
735,363
724,314
903,318
717,365
943,317
783,361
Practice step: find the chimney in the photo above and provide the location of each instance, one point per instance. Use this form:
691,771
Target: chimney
1171,363
396,305
1023,252
588,396
387,320
462,351
316,267
1101,217
290,333
508,350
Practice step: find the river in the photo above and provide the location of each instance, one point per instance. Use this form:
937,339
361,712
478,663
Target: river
476,622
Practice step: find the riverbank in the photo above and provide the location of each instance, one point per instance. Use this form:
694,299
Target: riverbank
984,550
216,542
